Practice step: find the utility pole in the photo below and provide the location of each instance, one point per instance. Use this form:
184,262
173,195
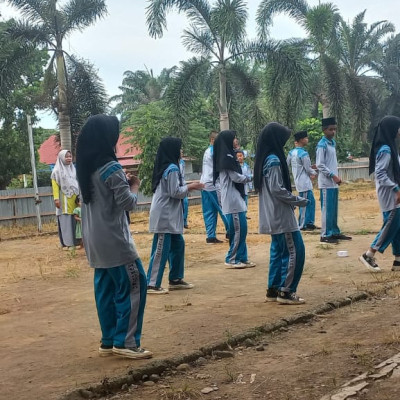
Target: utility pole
34,176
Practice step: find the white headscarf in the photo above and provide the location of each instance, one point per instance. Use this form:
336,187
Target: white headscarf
65,175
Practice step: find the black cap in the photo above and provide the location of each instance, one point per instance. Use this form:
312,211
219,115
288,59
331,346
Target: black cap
328,121
300,135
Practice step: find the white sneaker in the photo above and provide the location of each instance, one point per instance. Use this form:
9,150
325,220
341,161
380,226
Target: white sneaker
156,290
249,264
369,262
238,265
132,352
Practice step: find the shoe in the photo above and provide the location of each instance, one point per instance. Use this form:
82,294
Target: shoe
289,298
132,352
213,241
396,266
369,262
65,248
328,239
342,237
248,218
237,265
186,226
272,294
313,227
156,290
249,264
180,284
227,236
105,350
307,229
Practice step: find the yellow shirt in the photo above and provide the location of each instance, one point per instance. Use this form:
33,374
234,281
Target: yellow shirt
67,204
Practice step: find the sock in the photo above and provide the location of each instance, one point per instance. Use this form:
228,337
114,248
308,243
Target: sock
370,253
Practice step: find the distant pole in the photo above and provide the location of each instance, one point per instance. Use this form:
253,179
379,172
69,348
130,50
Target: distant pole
33,164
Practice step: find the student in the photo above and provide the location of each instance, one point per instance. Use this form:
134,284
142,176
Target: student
211,195
166,218
246,170
328,183
276,215
78,228
303,172
65,189
226,168
384,161
119,278
185,201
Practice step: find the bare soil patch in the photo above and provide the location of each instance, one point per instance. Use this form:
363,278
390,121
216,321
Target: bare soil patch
49,329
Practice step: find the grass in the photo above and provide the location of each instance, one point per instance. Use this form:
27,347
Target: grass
186,392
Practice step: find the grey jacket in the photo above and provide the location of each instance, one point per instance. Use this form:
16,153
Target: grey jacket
326,163
166,211
231,200
105,228
276,212
300,162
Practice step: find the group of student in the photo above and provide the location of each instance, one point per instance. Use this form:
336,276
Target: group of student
120,282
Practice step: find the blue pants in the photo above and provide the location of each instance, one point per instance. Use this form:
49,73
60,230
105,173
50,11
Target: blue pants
185,203
120,294
286,263
211,209
166,247
307,213
329,212
237,238
389,233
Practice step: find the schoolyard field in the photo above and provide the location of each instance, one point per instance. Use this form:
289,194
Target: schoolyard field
50,334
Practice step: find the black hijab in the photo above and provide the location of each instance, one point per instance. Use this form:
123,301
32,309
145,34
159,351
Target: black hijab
224,157
169,152
386,133
271,141
95,147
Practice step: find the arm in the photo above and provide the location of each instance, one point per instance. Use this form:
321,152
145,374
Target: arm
123,196
322,168
275,182
238,178
307,166
56,193
173,189
381,171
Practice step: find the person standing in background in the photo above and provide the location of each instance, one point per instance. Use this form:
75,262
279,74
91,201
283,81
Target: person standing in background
246,170
211,195
185,201
303,173
328,183
65,189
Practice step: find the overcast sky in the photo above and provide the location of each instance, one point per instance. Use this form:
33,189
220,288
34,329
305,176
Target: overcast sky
120,41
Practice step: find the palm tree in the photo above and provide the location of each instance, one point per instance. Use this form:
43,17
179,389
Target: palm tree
218,35
321,23
47,24
141,87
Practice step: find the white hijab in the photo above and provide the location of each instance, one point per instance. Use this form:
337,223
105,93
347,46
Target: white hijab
65,175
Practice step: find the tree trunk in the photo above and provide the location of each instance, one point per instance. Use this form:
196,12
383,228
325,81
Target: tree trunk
64,122
223,103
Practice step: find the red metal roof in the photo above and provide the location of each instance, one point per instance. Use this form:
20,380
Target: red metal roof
125,151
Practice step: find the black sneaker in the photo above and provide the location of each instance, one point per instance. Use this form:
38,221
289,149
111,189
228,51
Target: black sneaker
328,239
272,294
213,241
342,237
289,298
370,263
105,350
132,352
396,266
180,284
313,227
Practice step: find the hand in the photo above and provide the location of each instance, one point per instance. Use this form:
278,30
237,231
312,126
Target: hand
57,203
133,180
336,179
313,177
314,166
195,186
398,197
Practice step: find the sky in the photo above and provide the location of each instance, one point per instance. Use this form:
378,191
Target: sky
120,41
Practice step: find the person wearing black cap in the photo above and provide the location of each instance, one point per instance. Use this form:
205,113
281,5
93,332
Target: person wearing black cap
384,161
227,169
119,279
303,172
166,218
276,215
328,183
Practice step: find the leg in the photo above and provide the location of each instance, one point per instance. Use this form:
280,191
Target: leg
158,259
334,195
209,213
275,264
104,290
217,208
310,209
177,258
185,211
302,212
242,248
232,257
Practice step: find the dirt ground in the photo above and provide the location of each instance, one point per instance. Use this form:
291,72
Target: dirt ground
50,334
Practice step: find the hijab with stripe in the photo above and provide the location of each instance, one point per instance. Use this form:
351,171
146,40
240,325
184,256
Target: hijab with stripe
271,140
386,133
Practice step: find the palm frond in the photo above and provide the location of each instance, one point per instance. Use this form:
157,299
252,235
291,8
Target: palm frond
25,32
34,10
199,41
